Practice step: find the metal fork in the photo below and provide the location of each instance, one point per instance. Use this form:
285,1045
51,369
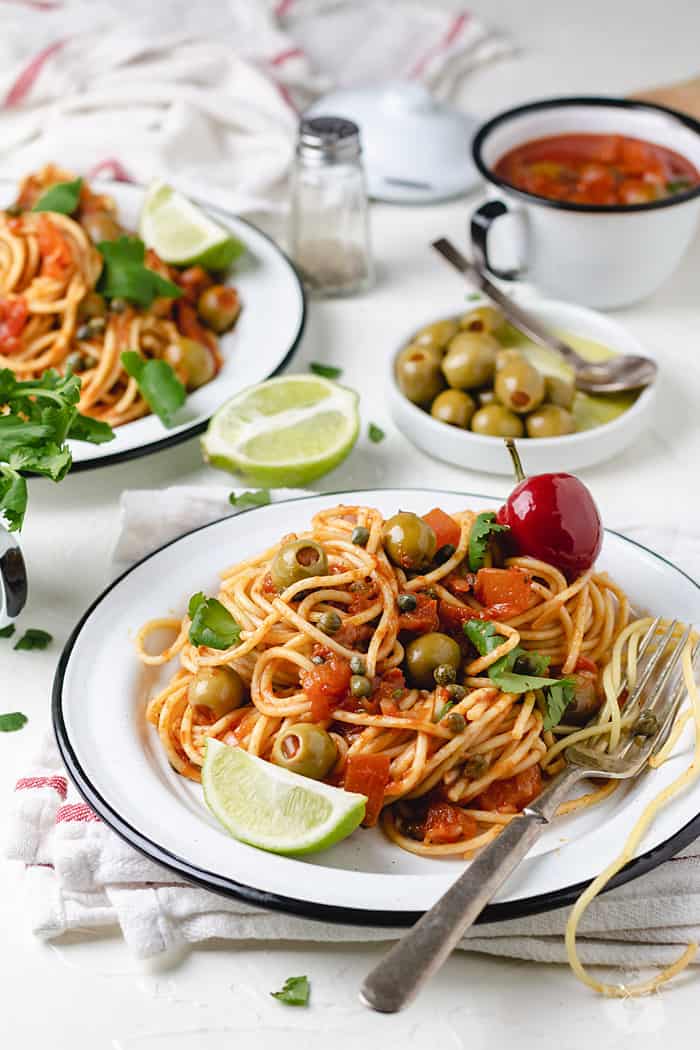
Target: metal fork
421,952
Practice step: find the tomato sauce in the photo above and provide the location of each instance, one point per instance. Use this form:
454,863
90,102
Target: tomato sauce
597,169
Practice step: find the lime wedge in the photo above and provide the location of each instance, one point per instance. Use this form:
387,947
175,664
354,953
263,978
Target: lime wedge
182,234
286,431
273,809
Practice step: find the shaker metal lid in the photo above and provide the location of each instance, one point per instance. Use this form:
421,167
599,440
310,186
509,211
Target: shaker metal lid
329,137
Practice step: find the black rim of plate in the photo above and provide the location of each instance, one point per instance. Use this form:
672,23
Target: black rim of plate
598,102
228,887
170,440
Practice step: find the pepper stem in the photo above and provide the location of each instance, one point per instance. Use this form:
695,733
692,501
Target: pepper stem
515,456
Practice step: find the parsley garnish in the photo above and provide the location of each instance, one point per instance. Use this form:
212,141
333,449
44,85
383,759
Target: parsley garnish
327,371
125,276
12,721
483,528
8,631
212,624
557,698
375,433
483,636
34,638
259,498
63,197
37,416
160,387
678,185
295,992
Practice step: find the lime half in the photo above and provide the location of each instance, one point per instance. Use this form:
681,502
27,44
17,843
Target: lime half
182,234
273,809
286,431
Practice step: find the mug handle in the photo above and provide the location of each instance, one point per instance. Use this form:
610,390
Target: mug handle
13,579
481,222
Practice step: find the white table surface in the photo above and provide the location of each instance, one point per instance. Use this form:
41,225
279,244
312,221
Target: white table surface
89,993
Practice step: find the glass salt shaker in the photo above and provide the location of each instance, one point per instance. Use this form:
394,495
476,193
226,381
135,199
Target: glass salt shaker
329,235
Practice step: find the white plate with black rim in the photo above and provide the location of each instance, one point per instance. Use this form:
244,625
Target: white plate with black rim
260,345
116,761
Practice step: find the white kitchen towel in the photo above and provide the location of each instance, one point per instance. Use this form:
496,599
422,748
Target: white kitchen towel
82,876
207,95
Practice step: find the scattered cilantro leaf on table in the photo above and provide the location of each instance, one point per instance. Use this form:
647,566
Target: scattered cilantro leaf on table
259,498
8,631
126,276
160,387
295,992
34,638
12,721
327,371
376,434
483,528
212,624
63,197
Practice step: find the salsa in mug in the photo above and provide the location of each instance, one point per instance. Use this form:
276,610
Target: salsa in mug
597,169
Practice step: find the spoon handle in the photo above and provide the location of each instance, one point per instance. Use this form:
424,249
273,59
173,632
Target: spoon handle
521,318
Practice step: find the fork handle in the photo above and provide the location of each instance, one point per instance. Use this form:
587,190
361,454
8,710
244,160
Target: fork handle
421,952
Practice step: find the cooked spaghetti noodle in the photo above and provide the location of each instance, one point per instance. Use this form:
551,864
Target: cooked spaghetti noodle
51,315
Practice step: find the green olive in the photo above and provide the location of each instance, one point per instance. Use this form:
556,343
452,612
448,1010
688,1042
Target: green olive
437,335
487,396
506,357
435,353
360,685
482,319
101,226
519,386
306,749
454,407
560,390
428,652
298,560
549,421
418,374
409,541
221,689
92,305
470,360
219,307
193,362
497,421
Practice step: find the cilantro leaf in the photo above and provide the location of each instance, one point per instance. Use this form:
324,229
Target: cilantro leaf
528,676
678,185
13,498
8,631
96,431
34,638
327,371
557,698
212,624
483,636
295,992
376,434
259,498
483,528
12,721
474,295
125,275
160,387
63,197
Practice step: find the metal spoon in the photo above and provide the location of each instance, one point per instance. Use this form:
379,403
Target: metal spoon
619,373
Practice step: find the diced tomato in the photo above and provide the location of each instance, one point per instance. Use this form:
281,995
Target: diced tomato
453,616
424,618
389,689
325,685
368,775
584,664
459,584
268,585
503,592
188,324
444,526
513,794
13,317
447,823
354,635
364,594
56,258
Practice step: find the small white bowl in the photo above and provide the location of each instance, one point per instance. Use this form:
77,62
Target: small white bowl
570,452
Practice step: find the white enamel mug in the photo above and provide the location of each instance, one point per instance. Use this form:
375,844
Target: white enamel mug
13,578
598,255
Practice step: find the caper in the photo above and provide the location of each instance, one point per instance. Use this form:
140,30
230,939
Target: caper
298,560
456,692
358,665
519,386
360,685
646,725
407,602
220,689
549,421
560,390
444,553
436,335
92,305
418,375
445,674
482,319
454,407
75,361
409,541
496,421
306,749
456,722
359,536
330,622
83,332
470,360
96,325
118,306
426,653
476,766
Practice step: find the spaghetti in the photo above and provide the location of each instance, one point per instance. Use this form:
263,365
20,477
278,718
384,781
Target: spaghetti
52,316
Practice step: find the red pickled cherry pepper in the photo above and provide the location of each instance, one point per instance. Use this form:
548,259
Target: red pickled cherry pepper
552,517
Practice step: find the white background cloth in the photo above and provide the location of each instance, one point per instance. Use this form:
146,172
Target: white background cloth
82,876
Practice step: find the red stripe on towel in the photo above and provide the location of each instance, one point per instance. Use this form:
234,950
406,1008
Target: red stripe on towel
281,58
110,167
25,81
76,812
59,784
282,8
456,27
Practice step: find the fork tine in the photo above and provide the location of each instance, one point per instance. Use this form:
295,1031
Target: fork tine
650,667
672,708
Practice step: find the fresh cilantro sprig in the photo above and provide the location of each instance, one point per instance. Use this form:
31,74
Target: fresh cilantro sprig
259,498
483,529
160,387
557,698
12,721
37,417
327,371
34,638
125,275
295,992
212,624
63,197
